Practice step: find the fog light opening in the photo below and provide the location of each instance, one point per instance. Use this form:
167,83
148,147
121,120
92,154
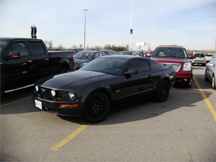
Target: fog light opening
69,105
185,80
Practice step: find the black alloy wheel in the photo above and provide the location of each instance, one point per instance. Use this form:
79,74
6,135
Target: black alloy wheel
163,91
97,108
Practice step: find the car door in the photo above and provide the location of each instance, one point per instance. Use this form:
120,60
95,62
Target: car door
41,64
211,68
17,70
139,84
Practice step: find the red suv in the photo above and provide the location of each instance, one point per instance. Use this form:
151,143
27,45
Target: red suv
178,58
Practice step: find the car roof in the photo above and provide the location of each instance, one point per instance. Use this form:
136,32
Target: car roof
124,57
170,46
10,38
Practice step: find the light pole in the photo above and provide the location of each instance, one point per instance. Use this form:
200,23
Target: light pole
131,30
85,27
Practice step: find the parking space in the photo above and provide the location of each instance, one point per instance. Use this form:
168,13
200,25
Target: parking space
180,129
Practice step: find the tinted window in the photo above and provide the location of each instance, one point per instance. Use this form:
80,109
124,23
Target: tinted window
156,65
139,65
37,48
84,55
3,43
105,65
96,55
199,55
19,47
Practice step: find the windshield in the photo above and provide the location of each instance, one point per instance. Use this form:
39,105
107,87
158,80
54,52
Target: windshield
3,43
199,55
127,53
170,52
105,65
106,52
84,55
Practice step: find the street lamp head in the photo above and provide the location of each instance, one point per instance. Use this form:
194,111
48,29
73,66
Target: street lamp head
85,9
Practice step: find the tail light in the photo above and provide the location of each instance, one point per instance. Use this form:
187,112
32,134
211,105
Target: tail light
73,58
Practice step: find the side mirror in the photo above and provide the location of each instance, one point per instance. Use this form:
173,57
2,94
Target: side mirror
131,71
211,65
12,55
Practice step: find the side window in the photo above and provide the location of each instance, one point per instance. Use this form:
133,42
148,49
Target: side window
37,48
96,55
139,65
19,47
156,65
212,61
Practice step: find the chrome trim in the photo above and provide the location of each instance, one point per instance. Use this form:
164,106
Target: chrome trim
11,90
177,68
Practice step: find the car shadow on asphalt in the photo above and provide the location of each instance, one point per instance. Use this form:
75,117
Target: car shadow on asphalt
18,102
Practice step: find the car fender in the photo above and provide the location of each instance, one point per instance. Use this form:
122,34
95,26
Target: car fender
91,89
64,63
163,77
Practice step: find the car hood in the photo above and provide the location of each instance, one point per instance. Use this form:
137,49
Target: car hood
170,59
73,80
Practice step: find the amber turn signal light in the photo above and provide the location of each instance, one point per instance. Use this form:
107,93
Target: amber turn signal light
69,105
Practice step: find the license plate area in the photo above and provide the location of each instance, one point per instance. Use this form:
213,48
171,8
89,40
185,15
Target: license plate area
38,104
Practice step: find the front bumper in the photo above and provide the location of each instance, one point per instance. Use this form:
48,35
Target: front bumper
183,76
55,108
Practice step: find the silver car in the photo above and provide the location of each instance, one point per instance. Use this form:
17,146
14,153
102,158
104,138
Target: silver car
208,57
200,59
210,72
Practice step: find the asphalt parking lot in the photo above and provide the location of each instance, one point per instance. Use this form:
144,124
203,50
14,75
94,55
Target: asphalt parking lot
181,129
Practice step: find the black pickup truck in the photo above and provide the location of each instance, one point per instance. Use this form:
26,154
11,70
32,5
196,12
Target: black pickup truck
25,60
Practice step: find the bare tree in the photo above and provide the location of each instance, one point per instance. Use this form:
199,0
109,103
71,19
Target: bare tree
50,44
75,46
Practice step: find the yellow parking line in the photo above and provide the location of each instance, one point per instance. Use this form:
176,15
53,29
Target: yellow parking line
212,110
15,101
69,137
192,91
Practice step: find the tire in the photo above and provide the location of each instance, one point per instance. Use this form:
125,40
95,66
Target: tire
96,108
189,84
213,82
163,92
205,77
63,70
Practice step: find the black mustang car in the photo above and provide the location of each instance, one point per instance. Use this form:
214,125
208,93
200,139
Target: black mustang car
102,83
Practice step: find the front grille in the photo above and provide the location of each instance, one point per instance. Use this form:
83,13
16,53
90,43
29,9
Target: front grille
46,93
175,66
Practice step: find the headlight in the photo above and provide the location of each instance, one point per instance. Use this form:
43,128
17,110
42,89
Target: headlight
37,88
187,67
71,95
53,92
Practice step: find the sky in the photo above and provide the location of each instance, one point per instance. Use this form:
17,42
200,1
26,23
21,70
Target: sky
189,23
